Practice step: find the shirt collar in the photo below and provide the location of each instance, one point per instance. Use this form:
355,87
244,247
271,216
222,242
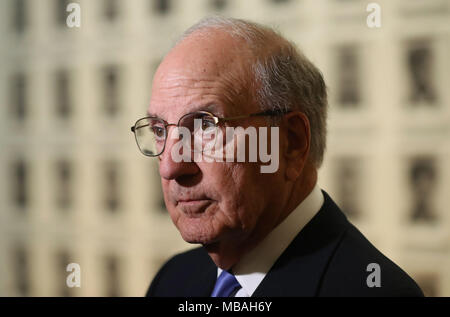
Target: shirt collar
253,267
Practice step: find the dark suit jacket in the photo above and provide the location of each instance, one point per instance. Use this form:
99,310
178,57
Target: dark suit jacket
329,257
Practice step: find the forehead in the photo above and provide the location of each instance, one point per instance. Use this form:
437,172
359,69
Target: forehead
169,113
204,72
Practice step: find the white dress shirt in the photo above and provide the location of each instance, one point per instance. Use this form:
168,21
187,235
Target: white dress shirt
253,267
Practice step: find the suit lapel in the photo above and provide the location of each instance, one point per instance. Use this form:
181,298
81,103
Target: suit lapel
299,270
202,286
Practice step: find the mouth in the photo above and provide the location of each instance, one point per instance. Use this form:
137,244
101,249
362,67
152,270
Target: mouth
194,207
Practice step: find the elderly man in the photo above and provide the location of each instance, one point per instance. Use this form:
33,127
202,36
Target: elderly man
261,233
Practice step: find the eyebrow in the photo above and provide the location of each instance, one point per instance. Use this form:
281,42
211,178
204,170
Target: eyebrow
211,107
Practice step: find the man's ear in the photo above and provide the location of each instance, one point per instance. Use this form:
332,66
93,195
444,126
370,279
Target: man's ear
298,140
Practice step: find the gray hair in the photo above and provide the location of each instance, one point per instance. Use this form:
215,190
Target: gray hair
285,78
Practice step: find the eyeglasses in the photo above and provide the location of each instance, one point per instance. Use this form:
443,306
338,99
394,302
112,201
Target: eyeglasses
202,126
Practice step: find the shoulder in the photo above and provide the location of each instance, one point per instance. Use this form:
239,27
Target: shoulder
358,268
178,271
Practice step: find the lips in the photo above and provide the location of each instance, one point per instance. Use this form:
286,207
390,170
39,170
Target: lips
194,207
187,199
192,200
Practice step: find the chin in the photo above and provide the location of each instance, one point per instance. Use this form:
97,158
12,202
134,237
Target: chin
195,238
197,231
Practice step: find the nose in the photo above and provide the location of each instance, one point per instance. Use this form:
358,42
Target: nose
170,166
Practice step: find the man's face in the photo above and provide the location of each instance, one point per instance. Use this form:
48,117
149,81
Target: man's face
210,202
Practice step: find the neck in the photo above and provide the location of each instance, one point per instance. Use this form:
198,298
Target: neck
225,254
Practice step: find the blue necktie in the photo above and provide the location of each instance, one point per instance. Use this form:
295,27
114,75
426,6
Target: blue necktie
226,284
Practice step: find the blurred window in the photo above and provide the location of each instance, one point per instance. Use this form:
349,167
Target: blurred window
111,10
422,178
111,90
348,72
64,175
63,94
61,13
421,72
20,267
18,96
111,184
19,184
161,6
112,276
280,1
19,15
348,185
218,4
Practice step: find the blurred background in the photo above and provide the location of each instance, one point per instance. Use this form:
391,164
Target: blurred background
74,187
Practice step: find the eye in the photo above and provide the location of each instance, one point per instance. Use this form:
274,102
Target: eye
159,132
207,122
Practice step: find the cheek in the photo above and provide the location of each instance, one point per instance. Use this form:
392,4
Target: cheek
165,190
225,183
170,205
242,200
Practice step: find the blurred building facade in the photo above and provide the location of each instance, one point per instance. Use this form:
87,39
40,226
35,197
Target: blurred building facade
74,187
